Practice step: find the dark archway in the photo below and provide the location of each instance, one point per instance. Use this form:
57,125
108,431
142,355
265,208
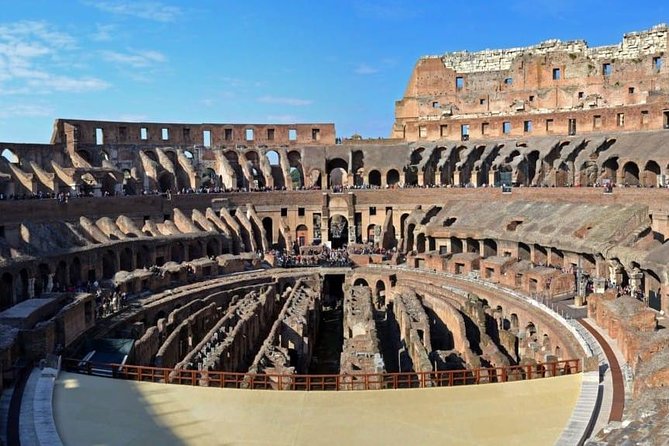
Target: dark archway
523,251
301,235
268,226
126,259
380,294
213,248
489,248
75,272
631,174
360,282
6,291
392,177
177,252
337,172
375,178
108,265
651,174
338,231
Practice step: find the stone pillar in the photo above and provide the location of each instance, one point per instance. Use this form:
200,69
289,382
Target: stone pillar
482,249
31,288
491,177
49,283
421,178
456,177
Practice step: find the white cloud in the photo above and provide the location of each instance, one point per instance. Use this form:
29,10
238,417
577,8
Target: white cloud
148,10
364,69
103,33
25,110
136,59
296,102
30,53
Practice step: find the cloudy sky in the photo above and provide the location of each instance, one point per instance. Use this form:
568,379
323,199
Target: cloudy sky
341,61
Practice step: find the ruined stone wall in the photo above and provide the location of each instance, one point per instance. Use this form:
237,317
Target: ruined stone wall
414,328
360,351
295,329
496,92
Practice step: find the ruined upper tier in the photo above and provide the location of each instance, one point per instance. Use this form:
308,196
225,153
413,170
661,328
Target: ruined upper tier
553,87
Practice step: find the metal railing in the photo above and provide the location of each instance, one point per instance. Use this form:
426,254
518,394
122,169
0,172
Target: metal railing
361,381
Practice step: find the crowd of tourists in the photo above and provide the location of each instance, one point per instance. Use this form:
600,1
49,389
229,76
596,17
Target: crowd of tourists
325,257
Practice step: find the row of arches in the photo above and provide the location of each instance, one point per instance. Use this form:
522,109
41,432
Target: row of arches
74,271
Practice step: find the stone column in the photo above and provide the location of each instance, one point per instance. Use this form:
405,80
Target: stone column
456,178
491,177
31,288
49,283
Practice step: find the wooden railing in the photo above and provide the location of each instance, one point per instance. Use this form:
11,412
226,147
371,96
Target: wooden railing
362,381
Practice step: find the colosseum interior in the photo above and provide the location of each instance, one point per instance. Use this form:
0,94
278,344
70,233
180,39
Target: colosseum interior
513,227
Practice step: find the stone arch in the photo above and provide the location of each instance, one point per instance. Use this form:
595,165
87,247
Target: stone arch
403,220
540,254
489,247
392,177
195,251
42,279
375,178
456,245
610,169
473,246
143,257
10,156
653,288
209,178
6,291
380,294
109,264
75,272
301,235
370,233
177,252
651,173
420,242
272,157
338,227
233,160
268,226
213,248
631,174
563,175
409,237
165,182
129,184
513,320
557,258
253,159
60,276
523,251
296,170
358,167
360,282
337,171
172,156
125,259
530,330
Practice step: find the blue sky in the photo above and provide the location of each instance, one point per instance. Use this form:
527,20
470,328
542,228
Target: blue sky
251,61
